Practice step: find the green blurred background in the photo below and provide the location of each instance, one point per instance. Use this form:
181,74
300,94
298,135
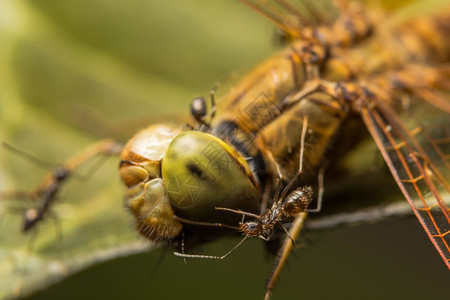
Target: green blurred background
75,71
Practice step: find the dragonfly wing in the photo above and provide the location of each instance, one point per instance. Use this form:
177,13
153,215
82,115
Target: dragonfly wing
418,159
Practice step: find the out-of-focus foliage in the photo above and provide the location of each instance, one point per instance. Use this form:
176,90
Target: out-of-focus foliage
75,71
72,72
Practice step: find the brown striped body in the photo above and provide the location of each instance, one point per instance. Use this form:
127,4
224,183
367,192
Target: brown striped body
252,118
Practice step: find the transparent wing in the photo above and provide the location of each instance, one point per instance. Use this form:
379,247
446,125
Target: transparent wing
417,154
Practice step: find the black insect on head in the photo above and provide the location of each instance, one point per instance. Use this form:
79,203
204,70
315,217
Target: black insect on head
198,109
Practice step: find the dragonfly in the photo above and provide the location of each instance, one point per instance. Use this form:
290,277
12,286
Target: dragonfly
422,157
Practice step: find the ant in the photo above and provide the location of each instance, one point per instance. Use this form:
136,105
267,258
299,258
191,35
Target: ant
47,190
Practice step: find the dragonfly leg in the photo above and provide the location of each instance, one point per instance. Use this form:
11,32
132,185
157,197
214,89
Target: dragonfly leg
287,232
320,179
212,97
284,252
334,104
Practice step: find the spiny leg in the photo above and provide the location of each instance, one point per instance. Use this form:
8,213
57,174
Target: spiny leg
212,96
284,252
320,179
292,234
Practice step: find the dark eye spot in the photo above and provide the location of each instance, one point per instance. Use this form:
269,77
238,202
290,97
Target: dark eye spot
195,170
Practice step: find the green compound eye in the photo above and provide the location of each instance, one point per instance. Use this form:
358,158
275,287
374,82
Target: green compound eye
201,172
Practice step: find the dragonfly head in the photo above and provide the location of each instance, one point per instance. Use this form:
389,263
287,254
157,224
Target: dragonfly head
201,172
187,174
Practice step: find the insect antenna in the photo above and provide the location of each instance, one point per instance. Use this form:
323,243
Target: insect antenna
199,223
184,255
212,256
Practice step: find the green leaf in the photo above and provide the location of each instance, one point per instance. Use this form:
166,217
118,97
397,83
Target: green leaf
72,72
75,71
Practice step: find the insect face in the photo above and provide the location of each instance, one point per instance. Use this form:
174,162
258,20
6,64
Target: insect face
251,229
